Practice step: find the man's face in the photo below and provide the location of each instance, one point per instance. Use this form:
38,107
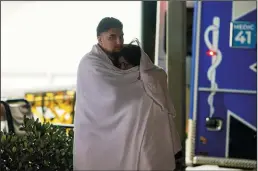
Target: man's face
112,40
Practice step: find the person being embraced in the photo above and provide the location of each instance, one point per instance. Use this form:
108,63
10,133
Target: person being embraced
130,56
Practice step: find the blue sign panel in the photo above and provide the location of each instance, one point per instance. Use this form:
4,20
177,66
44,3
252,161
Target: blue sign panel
243,34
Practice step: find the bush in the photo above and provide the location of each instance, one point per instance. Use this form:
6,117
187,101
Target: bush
43,147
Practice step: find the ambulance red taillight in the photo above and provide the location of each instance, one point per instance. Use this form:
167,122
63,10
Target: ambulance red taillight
211,53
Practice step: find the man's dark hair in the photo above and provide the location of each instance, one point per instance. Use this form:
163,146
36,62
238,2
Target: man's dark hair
108,23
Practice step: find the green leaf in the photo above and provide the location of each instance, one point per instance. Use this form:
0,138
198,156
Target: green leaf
41,145
38,134
31,150
14,149
29,122
3,138
20,165
25,144
30,169
26,167
35,129
8,138
13,139
45,163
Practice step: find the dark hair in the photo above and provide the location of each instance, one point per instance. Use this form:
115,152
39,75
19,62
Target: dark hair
107,23
132,54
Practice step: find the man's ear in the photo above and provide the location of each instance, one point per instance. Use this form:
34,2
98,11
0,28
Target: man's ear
99,39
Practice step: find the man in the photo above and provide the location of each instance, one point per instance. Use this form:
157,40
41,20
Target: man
111,37
121,122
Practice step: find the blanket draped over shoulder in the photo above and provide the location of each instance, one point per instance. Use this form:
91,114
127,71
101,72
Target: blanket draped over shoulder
124,118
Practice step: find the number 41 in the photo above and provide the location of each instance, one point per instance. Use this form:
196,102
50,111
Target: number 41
240,37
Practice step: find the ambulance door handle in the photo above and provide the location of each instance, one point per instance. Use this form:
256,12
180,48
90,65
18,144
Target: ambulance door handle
213,123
